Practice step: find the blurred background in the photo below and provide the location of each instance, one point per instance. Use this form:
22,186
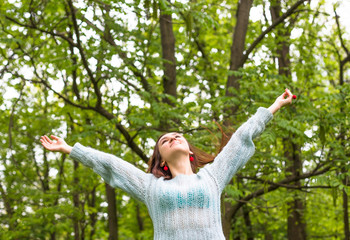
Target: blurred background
114,75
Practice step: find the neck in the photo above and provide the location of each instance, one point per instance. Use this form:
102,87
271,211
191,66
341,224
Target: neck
180,166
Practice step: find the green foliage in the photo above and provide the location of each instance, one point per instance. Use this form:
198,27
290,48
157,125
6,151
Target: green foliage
54,84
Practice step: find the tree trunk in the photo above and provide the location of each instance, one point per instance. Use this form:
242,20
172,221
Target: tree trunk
283,46
296,222
343,140
345,181
248,222
237,50
268,235
292,151
139,218
237,61
112,213
76,202
226,218
346,209
93,216
168,53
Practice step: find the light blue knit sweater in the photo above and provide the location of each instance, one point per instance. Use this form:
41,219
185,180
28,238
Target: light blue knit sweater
187,206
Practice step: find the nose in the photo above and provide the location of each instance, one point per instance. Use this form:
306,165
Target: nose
172,138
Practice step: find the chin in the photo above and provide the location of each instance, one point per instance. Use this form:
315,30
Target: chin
180,151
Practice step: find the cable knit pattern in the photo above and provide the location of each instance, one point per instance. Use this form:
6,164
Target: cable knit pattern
187,206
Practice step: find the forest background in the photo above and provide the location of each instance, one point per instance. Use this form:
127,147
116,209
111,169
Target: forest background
114,75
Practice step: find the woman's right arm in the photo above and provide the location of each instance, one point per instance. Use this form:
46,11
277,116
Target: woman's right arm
115,171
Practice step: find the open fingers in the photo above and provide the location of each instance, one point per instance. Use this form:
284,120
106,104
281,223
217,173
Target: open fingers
54,137
47,139
45,144
43,139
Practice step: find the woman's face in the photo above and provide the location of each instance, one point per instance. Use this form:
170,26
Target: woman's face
172,144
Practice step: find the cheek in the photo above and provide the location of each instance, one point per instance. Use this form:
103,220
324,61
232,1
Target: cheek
162,151
187,146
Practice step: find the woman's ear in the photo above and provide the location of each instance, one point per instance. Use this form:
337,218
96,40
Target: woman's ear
191,153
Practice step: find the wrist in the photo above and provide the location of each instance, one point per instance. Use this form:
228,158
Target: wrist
274,107
67,149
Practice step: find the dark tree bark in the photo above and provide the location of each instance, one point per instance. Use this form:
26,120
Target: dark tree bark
237,50
344,170
346,207
343,140
112,213
226,219
283,46
59,187
292,151
139,218
296,208
342,135
45,179
168,53
93,216
239,55
76,203
268,235
248,223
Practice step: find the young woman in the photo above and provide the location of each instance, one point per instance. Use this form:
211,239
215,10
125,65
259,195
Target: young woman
183,204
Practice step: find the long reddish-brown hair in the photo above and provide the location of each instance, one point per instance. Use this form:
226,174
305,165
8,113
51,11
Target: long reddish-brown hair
201,158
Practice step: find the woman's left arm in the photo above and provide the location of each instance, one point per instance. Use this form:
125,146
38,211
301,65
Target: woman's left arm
240,147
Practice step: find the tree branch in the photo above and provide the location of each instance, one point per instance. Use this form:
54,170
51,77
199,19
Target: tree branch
83,56
340,33
98,108
275,186
280,184
108,38
124,132
290,11
55,34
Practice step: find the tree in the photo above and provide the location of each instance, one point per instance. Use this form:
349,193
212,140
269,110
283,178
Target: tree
83,70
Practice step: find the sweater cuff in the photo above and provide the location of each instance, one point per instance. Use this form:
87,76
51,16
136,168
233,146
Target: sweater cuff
264,114
77,153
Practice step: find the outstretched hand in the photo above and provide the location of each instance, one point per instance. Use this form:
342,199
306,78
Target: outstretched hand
58,145
282,101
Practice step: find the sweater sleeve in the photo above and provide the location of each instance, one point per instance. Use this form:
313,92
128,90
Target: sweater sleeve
239,149
115,171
